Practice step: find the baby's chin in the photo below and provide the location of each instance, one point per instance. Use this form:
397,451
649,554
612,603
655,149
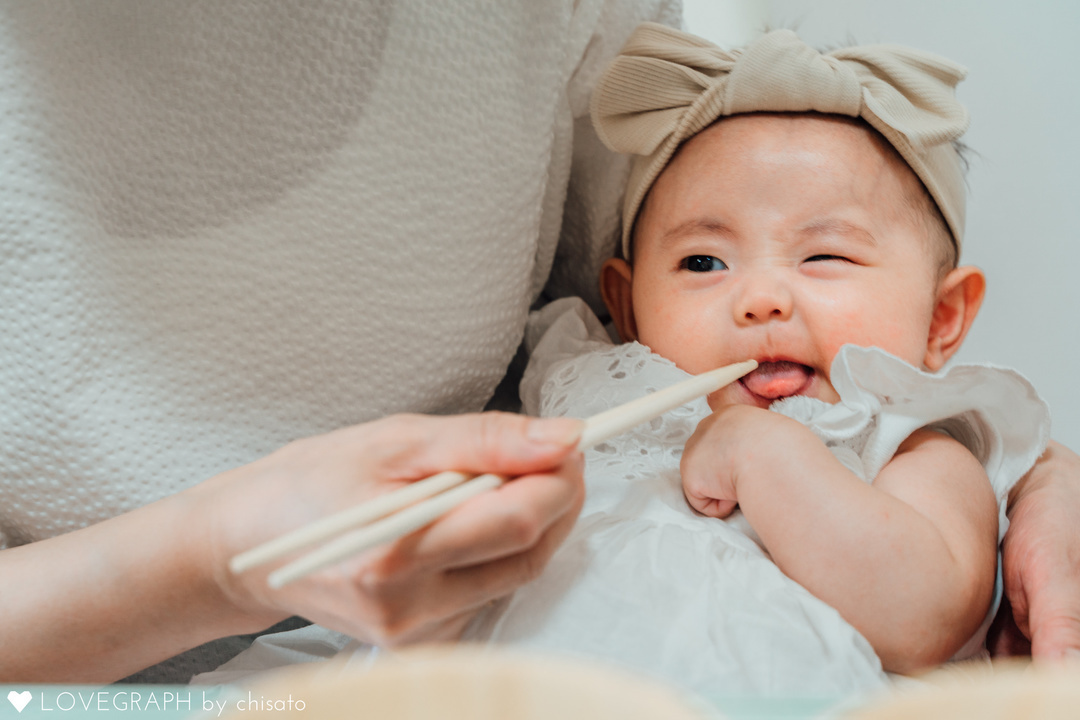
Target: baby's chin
774,381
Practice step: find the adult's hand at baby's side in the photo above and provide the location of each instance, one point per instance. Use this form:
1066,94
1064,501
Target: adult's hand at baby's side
1041,556
100,603
428,585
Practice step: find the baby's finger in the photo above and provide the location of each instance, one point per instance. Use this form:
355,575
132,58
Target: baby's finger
709,506
719,508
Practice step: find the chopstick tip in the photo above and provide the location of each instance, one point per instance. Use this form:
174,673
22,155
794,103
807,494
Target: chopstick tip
240,564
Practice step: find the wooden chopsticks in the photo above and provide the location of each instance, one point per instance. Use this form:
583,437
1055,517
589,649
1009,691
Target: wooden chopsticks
391,516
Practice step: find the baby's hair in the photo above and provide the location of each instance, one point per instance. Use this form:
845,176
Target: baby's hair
939,239
940,245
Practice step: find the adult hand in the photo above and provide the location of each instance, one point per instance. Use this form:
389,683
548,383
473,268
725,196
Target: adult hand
1041,557
100,603
428,585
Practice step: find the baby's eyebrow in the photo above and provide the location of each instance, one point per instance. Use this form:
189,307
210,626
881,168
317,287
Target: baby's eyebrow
832,226
698,226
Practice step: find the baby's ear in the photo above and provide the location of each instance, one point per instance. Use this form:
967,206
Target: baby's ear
616,283
959,297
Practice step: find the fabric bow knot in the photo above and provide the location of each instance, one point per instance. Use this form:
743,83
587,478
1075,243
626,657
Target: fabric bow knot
667,85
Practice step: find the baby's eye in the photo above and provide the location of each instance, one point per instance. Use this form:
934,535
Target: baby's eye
819,258
702,264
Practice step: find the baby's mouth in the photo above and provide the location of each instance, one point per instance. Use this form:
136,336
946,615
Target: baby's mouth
774,380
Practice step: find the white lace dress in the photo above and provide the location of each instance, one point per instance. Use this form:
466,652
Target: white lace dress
646,583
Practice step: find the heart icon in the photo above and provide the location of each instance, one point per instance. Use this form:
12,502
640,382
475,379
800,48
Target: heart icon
19,700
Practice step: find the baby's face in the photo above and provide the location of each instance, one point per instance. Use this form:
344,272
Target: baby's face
781,238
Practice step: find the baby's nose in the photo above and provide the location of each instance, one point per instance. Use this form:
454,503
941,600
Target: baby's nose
764,297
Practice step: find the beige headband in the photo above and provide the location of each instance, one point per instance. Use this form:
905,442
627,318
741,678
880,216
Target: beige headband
666,86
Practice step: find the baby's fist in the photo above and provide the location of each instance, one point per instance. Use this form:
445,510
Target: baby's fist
728,445
706,465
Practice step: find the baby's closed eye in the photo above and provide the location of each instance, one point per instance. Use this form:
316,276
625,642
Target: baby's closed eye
825,257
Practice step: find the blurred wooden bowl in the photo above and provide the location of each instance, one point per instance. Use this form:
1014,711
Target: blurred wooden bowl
1002,691
463,684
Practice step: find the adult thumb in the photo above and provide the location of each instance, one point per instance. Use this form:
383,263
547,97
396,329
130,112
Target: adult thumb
1055,629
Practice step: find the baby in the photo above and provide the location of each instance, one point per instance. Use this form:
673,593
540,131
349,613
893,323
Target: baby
806,211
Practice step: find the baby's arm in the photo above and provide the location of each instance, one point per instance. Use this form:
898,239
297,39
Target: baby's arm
909,561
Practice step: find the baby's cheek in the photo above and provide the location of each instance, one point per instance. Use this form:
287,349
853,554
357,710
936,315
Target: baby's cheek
899,337
681,342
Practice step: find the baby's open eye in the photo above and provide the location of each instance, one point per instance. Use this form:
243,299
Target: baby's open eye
702,264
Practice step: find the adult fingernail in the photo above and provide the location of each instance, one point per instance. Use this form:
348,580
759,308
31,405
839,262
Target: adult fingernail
555,431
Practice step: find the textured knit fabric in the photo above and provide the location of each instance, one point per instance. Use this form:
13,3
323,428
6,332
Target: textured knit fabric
646,582
225,226
666,86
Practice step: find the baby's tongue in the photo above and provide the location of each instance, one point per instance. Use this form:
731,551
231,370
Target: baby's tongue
777,379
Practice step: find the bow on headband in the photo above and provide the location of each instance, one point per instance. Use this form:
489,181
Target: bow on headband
666,86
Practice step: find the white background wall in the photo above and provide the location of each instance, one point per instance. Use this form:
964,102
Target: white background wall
1023,91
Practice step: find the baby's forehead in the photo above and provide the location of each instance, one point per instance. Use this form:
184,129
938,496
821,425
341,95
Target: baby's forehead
835,152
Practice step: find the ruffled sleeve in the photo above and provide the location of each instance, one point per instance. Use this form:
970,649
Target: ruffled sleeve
993,411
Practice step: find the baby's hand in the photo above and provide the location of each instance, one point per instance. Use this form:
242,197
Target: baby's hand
727,447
